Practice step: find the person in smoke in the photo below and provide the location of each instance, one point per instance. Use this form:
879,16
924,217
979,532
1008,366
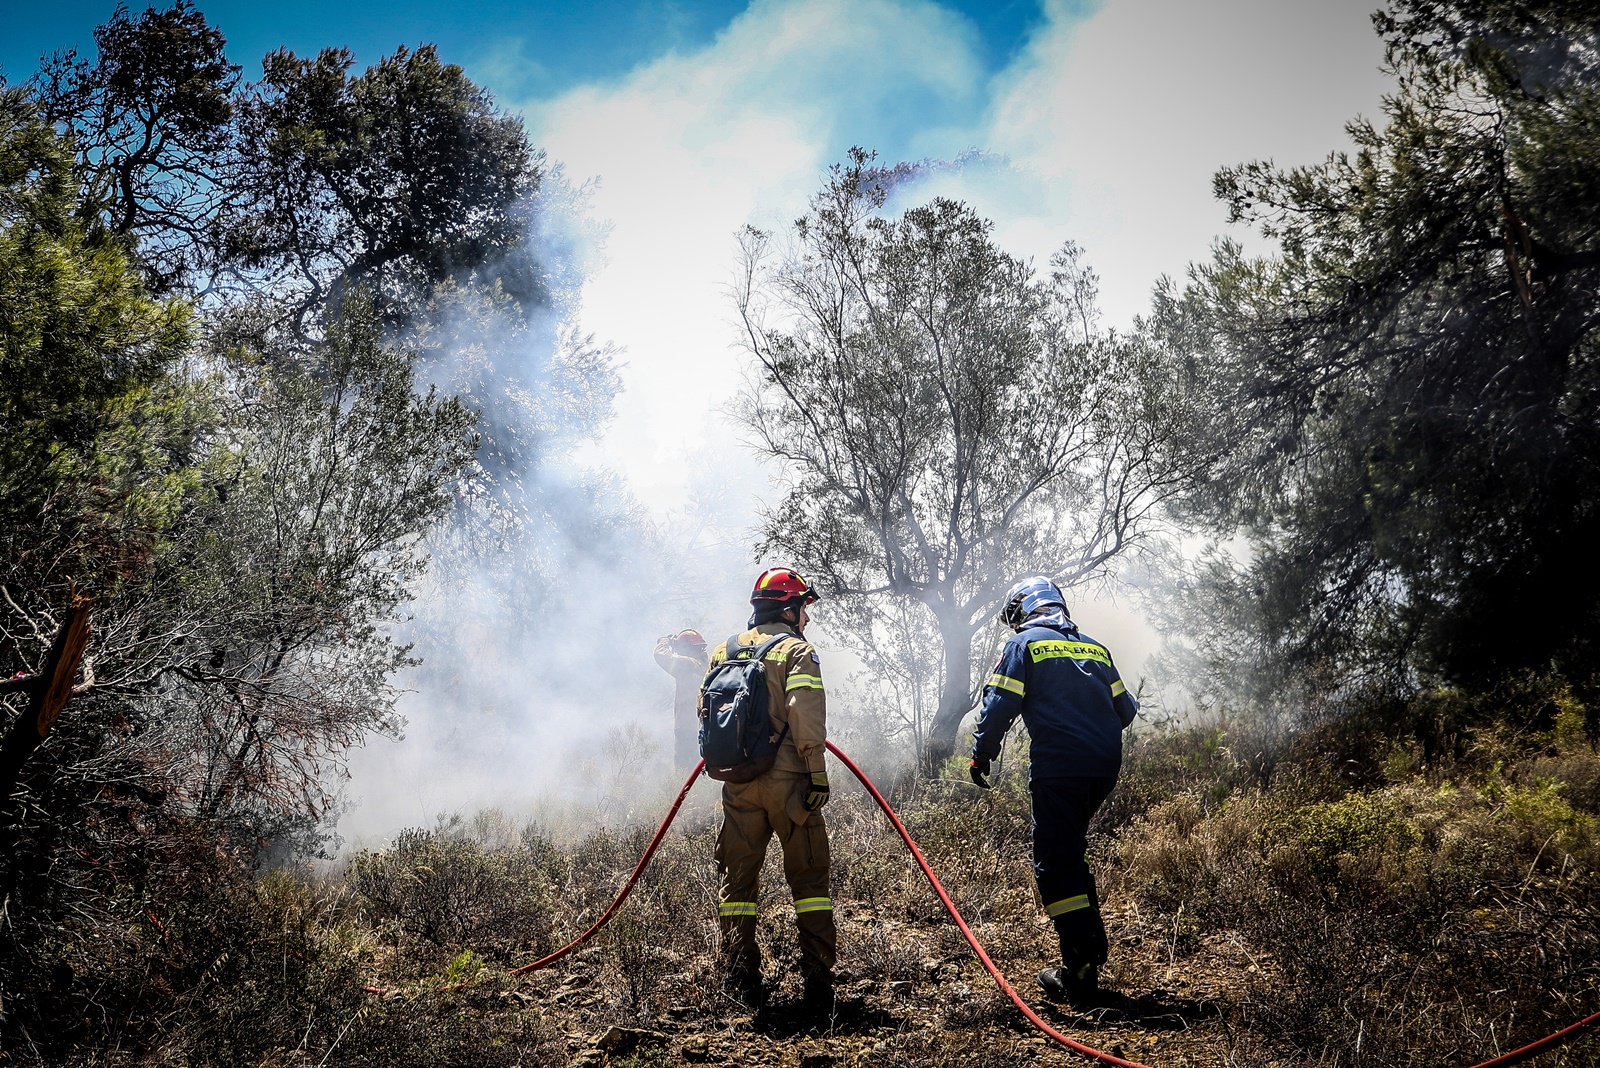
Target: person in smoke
1075,706
786,801
683,656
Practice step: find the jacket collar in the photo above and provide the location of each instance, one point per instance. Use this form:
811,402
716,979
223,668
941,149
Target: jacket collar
776,626
1056,621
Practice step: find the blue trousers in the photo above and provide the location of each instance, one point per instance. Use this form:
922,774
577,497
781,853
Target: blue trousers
1062,809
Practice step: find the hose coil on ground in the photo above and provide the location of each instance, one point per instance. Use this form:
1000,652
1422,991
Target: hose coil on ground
1505,1060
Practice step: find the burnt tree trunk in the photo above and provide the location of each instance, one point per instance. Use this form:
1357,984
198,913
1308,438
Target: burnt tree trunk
47,696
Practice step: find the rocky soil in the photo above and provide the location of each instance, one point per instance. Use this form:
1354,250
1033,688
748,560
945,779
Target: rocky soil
1178,999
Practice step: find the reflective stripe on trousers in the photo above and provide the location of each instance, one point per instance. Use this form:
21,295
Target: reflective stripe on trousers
1066,905
753,814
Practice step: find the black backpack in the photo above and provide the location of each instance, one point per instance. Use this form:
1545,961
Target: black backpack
736,736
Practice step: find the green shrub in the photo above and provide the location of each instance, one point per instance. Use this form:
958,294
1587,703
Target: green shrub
1318,846
449,891
1547,816
1379,905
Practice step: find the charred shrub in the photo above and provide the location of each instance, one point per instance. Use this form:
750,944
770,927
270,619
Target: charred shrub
286,968
448,891
472,1029
637,956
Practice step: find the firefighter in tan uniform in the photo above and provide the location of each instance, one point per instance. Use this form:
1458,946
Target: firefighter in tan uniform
786,801
683,656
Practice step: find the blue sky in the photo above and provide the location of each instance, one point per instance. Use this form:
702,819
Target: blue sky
556,45
528,52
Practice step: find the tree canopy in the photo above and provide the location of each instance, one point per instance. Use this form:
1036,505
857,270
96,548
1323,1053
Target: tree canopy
294,189
151,123
949,422
248,520
1407,398
398,178
232,316
93,430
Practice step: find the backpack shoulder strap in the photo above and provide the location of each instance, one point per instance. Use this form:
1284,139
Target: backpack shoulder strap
767,646
777,713
729,650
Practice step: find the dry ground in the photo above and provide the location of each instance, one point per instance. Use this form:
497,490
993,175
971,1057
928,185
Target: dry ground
943,1010
911,992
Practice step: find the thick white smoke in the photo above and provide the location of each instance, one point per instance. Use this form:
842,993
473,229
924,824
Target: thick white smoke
538,694
538,652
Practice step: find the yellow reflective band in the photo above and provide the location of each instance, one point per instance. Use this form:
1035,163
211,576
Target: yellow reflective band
1066,905
813,904
1117,689
737,908
1004,683
803,682
1076,650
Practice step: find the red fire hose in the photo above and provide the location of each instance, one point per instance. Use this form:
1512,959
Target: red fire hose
972,940
1517,1056
627,887
1533,1049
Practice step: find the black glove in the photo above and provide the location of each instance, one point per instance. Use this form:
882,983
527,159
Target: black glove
979,770
817,796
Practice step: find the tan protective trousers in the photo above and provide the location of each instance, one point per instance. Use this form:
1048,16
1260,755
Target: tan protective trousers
752,813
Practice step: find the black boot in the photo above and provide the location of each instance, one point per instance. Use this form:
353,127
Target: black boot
1077,986
742,982
1082,939
817,997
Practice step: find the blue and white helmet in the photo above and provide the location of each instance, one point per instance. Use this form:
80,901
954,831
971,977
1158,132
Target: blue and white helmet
1032,595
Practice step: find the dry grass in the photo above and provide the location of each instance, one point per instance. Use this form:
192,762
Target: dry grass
1420,913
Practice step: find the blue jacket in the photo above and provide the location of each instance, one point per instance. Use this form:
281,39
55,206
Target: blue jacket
1068,692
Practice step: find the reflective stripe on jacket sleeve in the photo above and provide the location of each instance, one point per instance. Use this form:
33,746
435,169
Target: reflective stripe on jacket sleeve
1002,700
806,703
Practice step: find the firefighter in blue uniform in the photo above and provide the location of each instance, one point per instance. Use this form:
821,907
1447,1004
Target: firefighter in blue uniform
1068,693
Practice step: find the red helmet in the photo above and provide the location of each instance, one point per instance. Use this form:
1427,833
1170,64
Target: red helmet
781,585
690,637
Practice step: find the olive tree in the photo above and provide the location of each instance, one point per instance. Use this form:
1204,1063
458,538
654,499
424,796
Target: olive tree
948,420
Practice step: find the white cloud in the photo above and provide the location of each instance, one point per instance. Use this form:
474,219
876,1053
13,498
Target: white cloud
1124,117
688,149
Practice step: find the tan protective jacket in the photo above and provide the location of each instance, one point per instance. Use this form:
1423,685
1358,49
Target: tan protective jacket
689,672
794,685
